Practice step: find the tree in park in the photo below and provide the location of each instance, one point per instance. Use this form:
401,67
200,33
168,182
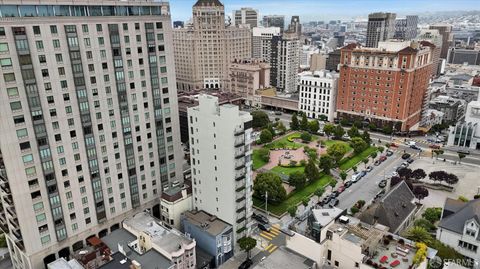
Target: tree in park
373,155
353,132
418,234
343,175
405,173
338,132
451,179
358,145
265,136
246,244
313,126
395,180
259,119
437,152
311,171
329,129
381,149
366,137
438,176
337,151
305,201
420,192
319,192
294,124
292,211
304,122
432,214
297,179
270,128
306,137
418,174
354,168
365,161
461,156
271,183
264,154
281,128
326,163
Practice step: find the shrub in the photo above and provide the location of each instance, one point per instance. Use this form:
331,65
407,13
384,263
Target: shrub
354,210
293,163
292,137
421,253
306,137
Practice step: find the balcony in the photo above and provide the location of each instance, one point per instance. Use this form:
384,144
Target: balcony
5,187
17,234
14,223
12,212
239,196
20,245
240,174
239,164
241,206
3,173
239,141
8,199
240,153
240,185
239,131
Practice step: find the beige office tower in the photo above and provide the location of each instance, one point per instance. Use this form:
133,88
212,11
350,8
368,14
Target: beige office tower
89,121
262,42
246,15
205,49
247,76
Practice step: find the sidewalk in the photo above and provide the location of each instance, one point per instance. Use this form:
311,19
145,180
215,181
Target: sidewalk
239,257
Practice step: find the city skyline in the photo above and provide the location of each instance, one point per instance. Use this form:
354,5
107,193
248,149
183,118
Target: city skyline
328,9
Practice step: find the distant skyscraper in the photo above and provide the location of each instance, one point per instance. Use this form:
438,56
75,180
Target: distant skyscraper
89,121
381,27
178,24
406,28
262,42
220,154
246,15
284,61
295,26
384,86
205,49
447,38
274,21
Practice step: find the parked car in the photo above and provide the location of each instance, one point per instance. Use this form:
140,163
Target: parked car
434,146
394,174
355,177
334,194
264,227
325,200
369,169
410,160
393,145
405,164
463,151
246,264
333,203
348,183
362,174
389,153
382,158
278,113
377,163
415,147
405,156
341,189
346,137
260,218
382,183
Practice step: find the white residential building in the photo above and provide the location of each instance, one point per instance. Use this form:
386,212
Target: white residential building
285,61
467,133
262,42
220,154
318,93
89,121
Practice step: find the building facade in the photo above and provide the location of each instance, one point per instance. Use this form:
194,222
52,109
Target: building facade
384,86
247,76
246,15
381,27
447,38
467,133
306,53
406,28
204,49
274,21
284,61
221,162
317,94
433,36
89,127
453,109
464,56
262,42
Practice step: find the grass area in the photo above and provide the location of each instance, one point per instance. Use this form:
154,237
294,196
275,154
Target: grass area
257,161
329,143
295,197
287,170
285,144
349,162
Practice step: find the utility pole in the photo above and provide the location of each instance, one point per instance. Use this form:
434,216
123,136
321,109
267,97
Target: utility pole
266,202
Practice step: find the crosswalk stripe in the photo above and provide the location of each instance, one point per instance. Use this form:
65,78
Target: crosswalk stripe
276,225
275,228
272,249
266,236
269,246
274,232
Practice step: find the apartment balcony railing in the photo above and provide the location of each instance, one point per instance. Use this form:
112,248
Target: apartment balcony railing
240,174
5,187
239,131
240,153
239,141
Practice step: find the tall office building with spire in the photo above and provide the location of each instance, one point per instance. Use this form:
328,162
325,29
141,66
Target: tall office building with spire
89,129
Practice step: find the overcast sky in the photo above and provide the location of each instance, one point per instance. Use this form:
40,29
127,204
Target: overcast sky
309,10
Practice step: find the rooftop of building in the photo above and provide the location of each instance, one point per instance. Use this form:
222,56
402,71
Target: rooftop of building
250,63
319,74
61,263
188,99
324,216
392,46
215,3
167,239
462,212
285,258
445,99
207,222
175,193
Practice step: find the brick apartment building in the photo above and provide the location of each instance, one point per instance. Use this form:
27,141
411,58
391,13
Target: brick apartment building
385,85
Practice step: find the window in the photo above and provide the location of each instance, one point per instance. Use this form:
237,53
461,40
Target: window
53,29
21,133
36,30
6,62
84,28
41,217
99,27
3,47
27,158
39,44
45,239
56,43
2,31
9,77
13,92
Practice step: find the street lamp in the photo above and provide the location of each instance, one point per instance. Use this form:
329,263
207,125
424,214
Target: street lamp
266,202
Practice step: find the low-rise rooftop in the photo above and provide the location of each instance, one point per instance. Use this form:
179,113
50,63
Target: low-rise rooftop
284,258
207,222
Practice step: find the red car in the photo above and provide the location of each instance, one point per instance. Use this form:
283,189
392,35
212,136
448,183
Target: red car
434,146
382,158
393,145
341,189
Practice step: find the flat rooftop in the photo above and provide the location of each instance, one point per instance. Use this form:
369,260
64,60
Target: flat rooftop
209,223
284,258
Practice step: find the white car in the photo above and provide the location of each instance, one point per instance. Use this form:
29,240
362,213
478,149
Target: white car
355,177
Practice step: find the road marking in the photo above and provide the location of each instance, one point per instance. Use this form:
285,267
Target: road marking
269,246
274,231
276,225
272,249
266,236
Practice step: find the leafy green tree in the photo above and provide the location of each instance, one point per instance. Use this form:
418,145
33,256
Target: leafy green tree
353,132
461,156
264,154
271,183
328,129
381,149
437,152
365,161
292,211
294,124
343,175
337,151
259,119
304,122
373,155
306,137
246,244
354,168
311,170
418,234
265,136
358,145
427,225
297,179
432,214
270,128
305,201
313,126
281,128
338,132
366,137
326,163
319,192
354,210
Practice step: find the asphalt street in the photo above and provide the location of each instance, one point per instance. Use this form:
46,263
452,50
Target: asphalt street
268,242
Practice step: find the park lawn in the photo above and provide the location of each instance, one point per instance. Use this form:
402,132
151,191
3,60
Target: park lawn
349,162
287,170
284,143
329,143
295,197
257,161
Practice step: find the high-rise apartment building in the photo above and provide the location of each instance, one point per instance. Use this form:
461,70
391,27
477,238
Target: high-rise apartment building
306,53
433,36
247,76
262,42
381,27
385,85
317,94
274,21
90,130
246,15
284,62
220,154
406,28
204,49
447,37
